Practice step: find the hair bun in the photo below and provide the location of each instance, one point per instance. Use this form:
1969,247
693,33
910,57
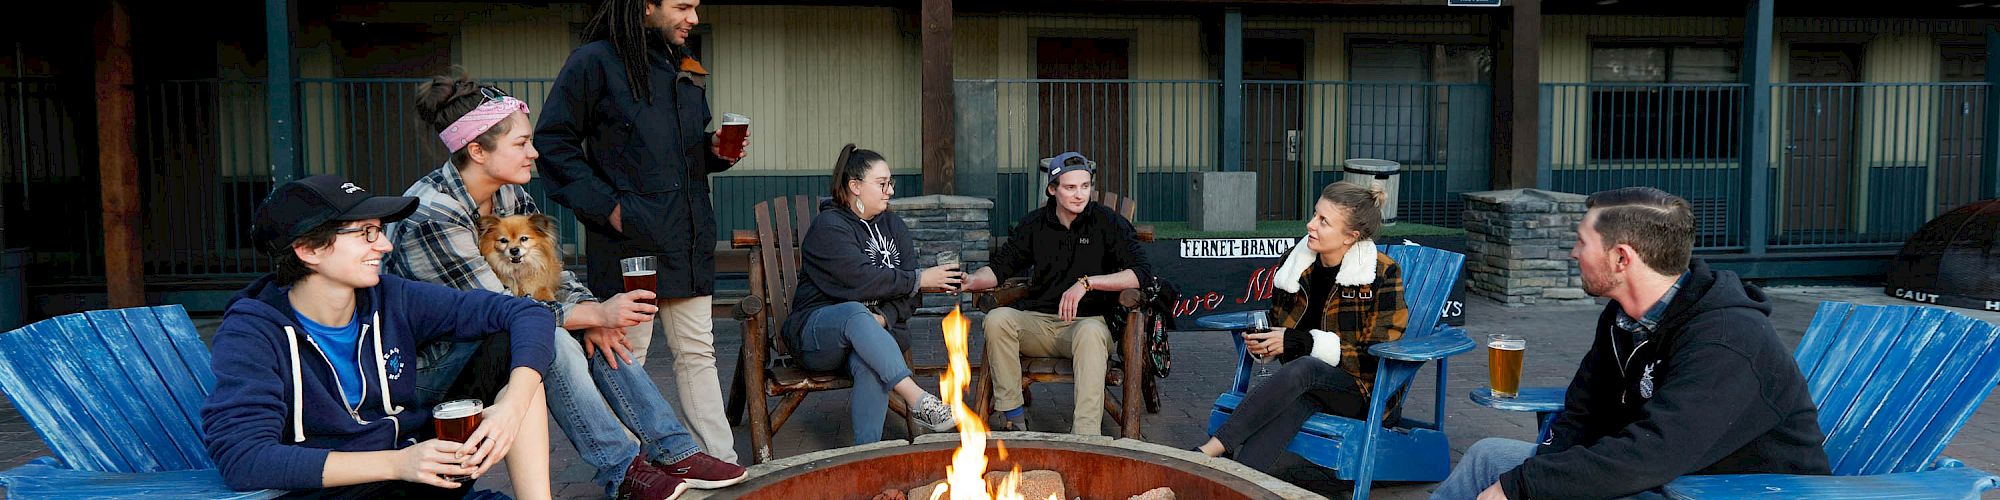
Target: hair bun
1381,197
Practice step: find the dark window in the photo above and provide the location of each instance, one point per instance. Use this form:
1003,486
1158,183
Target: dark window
1630,120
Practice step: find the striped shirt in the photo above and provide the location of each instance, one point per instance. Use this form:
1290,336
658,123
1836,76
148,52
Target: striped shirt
439,243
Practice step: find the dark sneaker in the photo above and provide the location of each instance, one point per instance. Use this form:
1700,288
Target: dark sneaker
705,472
643,481
934,415
1019,423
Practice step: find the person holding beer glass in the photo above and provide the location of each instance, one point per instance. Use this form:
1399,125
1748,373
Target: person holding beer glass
1685,375
319,384
858,287
594,390
625,146
1335,296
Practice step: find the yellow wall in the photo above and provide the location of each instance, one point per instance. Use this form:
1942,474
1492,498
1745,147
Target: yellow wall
812,79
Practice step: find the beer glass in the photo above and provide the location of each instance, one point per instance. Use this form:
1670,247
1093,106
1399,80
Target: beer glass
734,127
455,421
1503,363
949,259
641,273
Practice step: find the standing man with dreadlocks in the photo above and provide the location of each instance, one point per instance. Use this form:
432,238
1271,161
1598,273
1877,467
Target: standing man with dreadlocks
624,144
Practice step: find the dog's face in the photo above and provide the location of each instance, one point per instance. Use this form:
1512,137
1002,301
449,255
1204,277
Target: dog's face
516,237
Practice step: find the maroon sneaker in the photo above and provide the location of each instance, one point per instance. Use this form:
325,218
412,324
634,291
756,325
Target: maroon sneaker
643,481
706,472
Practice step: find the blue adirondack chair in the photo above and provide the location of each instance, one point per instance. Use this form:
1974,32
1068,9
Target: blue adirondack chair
117,396
1413,450
1893,384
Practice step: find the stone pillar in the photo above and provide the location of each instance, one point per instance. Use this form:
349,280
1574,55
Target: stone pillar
1519,242
940,223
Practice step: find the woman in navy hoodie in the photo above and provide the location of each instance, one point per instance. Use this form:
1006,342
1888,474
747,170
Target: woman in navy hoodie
856,293
316,379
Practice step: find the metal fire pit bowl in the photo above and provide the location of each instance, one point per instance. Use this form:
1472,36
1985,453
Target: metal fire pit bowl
1094,468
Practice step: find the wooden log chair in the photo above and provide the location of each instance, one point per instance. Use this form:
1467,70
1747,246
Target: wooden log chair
1138,385
774,259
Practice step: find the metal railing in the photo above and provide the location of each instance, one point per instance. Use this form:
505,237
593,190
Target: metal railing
1681,138
49,182
1150,136
1853,165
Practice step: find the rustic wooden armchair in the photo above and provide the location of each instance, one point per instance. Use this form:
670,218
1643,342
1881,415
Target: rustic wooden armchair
774,258
1133,375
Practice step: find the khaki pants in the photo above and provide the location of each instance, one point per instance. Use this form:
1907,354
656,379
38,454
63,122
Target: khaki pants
1011,333
688,325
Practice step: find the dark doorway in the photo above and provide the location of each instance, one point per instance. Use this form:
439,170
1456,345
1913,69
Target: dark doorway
1819,174
1961,131
1088,116
1273,115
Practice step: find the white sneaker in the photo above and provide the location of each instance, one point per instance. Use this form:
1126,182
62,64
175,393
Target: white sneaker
933,414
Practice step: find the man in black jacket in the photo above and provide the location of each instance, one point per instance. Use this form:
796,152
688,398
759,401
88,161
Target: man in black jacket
1082,254
1685,375
624,144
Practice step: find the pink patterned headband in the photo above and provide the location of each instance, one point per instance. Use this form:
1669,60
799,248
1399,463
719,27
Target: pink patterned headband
479,120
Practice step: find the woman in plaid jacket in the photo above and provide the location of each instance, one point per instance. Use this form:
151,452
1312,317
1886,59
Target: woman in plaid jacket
1335,297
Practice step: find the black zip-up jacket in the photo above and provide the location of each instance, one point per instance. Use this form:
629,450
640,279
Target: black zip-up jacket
602,148
1713,391
1098,242
847,259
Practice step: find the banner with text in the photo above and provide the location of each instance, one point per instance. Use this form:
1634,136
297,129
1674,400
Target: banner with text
1218,275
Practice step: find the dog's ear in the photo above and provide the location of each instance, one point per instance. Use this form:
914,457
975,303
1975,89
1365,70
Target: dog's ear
486,223
544,224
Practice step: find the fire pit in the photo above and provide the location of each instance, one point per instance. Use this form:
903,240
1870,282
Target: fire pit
1093,468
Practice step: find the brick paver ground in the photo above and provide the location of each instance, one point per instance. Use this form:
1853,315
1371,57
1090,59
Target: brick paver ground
1558,336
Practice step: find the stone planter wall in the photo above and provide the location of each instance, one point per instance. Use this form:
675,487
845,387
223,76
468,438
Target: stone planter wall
940,223
1519,241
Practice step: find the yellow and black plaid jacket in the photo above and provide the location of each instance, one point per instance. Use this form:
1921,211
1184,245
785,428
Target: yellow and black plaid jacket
1362,315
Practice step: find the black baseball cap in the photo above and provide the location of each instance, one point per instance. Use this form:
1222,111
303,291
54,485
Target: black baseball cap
299,206
1067,162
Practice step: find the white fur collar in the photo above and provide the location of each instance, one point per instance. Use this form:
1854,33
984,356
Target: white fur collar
1357,267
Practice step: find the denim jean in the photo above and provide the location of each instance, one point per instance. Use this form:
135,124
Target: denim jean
1486,460
847,333
594,405
1272,413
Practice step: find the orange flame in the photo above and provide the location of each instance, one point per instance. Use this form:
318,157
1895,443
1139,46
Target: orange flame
964,476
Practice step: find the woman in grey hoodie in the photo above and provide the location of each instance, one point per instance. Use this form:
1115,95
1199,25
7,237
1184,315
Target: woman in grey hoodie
857,290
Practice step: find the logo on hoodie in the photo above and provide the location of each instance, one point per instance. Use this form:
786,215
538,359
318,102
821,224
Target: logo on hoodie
392,363
882,251
1646,381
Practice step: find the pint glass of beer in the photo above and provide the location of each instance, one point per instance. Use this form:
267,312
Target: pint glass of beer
641,273
734,127
455,421
1503,363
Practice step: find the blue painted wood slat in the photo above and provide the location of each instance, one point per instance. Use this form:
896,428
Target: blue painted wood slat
119,402
149,360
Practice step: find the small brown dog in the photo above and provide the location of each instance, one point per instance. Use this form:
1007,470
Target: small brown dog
522,250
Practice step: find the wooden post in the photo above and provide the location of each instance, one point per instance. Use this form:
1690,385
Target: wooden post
118,168
1232,90
1756,145
282,96
940,162
1517,90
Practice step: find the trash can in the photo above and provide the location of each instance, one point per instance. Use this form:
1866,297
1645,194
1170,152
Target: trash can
13,288
1377,174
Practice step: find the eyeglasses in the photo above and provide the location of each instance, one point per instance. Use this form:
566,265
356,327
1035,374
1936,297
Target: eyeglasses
492,93
371,232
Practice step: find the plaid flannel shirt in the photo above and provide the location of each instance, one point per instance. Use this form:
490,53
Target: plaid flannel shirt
439,243
1363,315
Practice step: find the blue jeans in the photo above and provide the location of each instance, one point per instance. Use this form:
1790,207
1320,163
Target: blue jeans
847,333
594,405
1486,460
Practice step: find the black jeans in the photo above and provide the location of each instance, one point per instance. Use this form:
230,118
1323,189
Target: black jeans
1272,413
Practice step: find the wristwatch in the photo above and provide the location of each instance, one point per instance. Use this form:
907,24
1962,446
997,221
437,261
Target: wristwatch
1085,281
